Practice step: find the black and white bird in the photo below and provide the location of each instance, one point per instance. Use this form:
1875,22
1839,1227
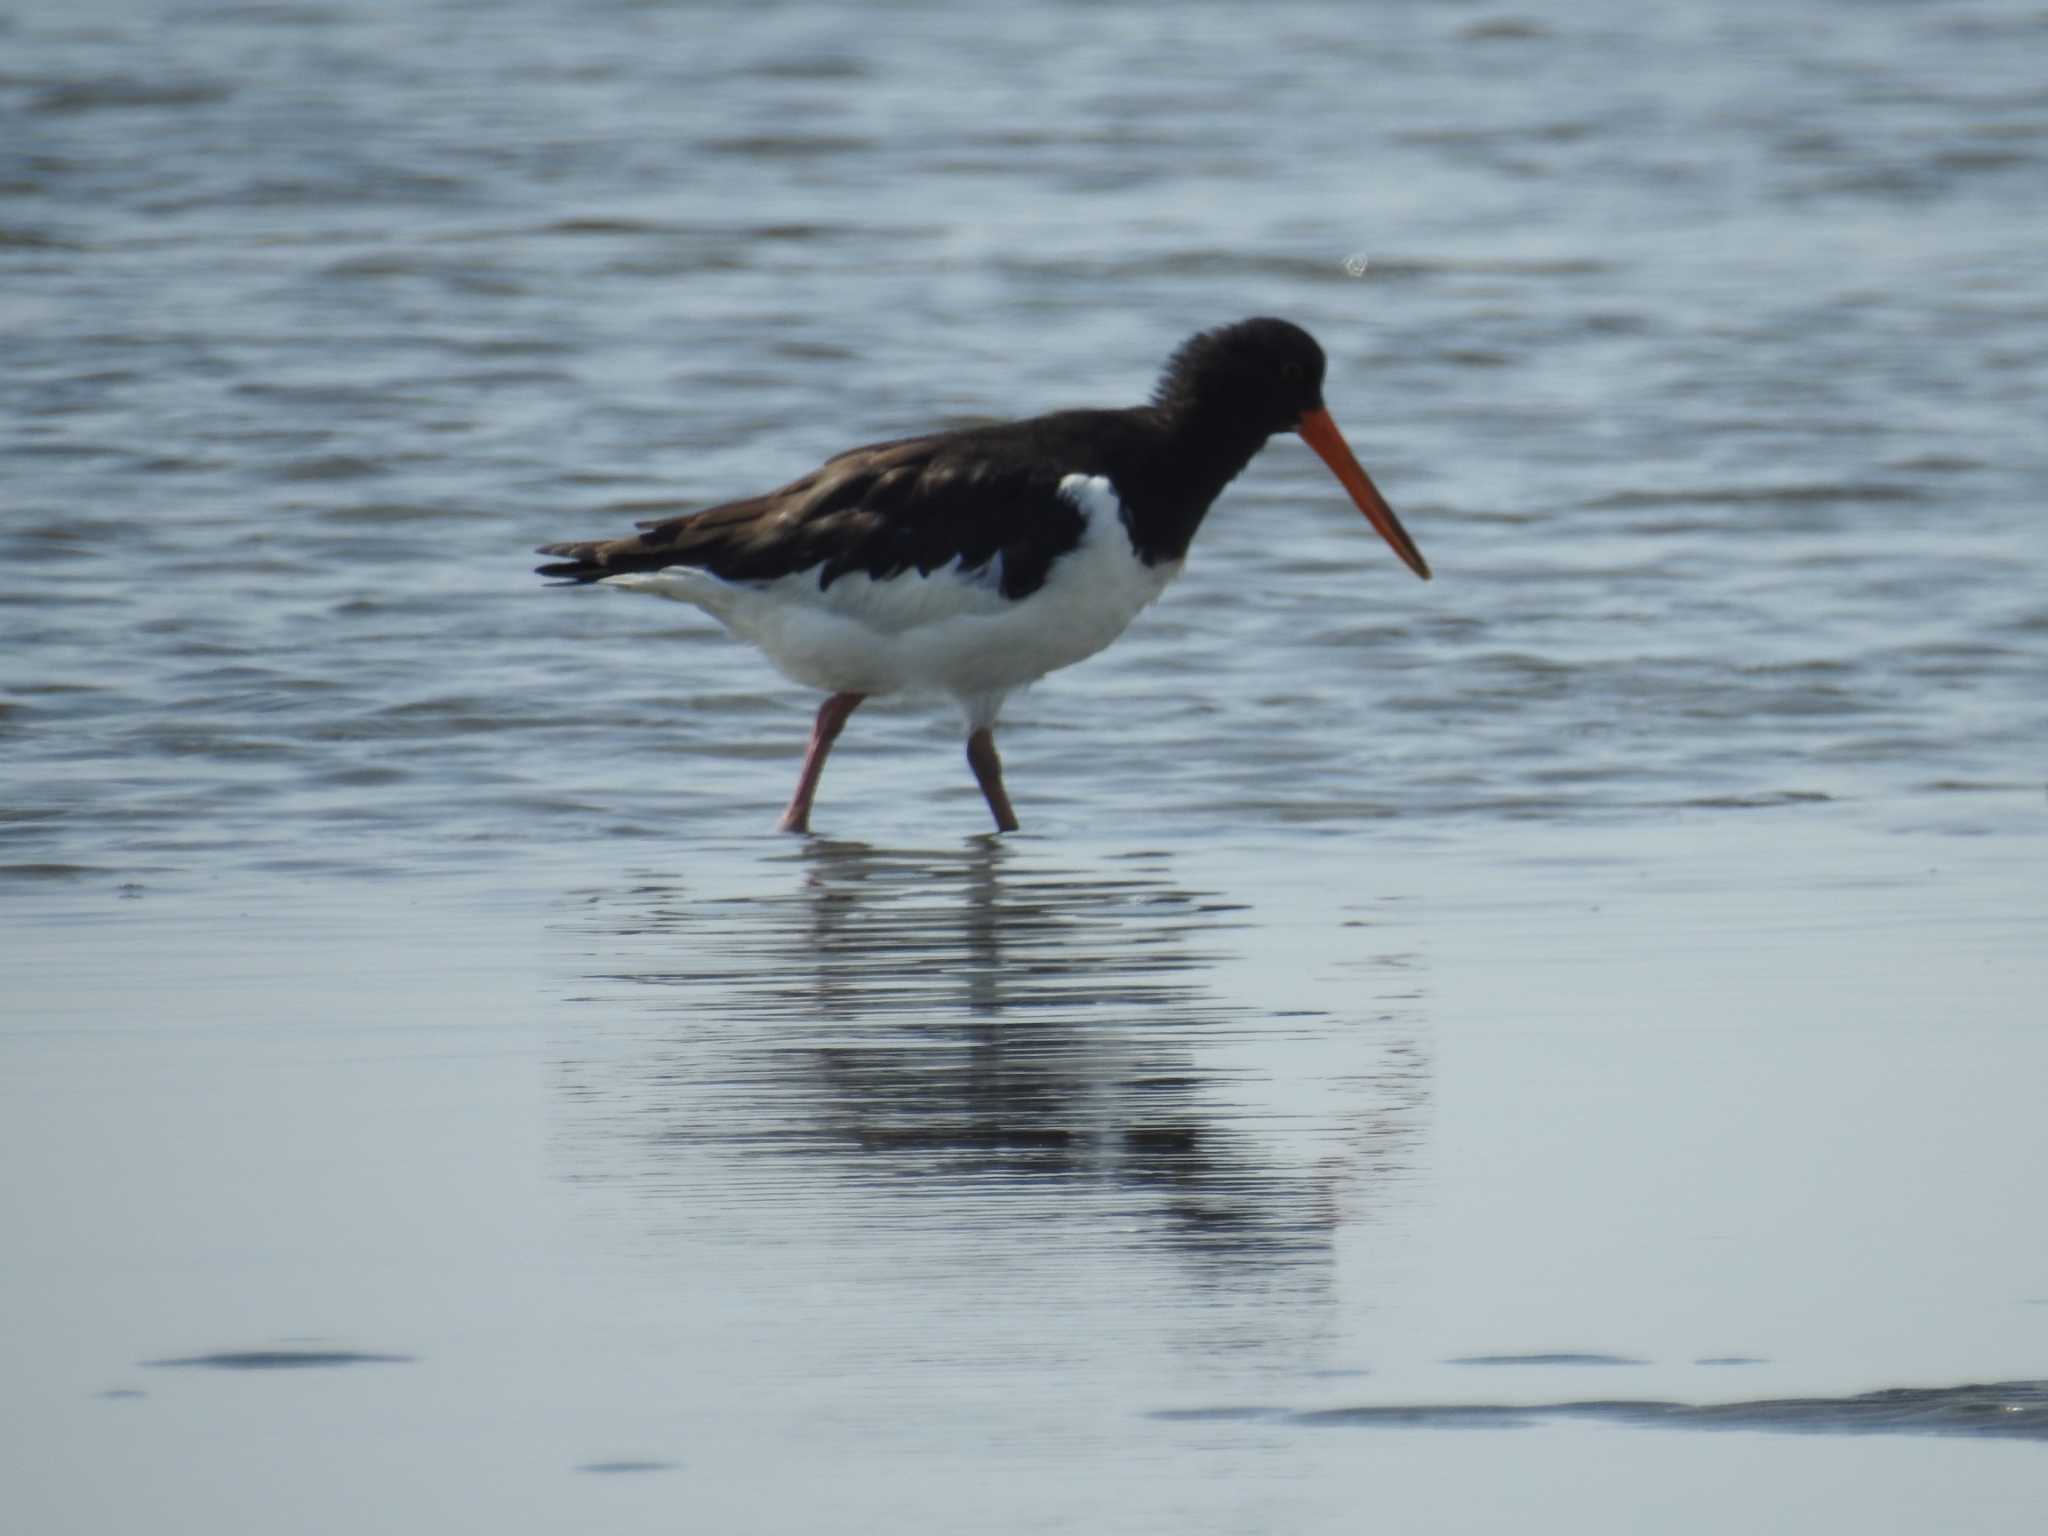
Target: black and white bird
972,562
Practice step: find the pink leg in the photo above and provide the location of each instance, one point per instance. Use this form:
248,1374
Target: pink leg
824,731
988,772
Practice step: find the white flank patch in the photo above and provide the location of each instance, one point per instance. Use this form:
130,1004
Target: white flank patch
952,631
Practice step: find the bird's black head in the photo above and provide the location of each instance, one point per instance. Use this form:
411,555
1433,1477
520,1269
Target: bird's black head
1226,391
1255,376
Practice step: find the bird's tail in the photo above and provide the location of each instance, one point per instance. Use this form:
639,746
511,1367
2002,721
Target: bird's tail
659,544
581,562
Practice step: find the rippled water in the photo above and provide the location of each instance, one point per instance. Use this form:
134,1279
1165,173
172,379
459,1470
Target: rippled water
1629,944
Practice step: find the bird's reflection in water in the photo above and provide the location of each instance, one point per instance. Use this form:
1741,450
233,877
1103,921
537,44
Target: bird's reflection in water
993,1037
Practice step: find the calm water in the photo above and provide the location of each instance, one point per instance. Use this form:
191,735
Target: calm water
429,1094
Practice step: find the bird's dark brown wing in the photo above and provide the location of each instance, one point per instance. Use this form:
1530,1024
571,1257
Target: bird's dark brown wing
919,504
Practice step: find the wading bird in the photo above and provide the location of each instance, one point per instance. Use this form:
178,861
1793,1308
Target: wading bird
972,562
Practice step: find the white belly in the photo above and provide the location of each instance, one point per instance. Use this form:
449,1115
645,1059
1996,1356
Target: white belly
952,631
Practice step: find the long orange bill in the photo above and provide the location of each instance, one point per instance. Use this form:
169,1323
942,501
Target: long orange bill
1321,434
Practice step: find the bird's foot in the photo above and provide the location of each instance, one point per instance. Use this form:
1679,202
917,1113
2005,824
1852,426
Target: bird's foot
988,773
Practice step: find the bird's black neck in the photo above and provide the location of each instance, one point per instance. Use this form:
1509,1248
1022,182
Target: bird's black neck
1197,456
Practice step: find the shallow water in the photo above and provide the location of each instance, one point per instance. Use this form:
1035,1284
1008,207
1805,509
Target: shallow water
1609,973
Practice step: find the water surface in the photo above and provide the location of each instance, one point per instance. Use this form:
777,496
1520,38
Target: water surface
1607,975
